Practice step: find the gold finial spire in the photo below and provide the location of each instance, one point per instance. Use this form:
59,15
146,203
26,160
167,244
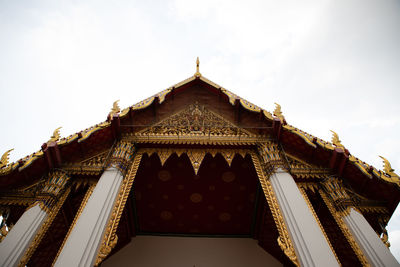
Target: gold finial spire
4,158
197,74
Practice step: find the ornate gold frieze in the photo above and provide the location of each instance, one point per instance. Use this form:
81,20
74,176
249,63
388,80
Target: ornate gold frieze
91,166
314,187
302,169
303,192
194,120
42,231
121,156
195,156
284,241
271,156
337,215
110,238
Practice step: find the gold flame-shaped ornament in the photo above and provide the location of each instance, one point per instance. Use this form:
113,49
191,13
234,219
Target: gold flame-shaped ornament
56,135
4,159
115,108
389,175
278,112
335,140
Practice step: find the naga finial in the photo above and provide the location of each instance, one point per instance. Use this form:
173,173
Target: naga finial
4,158
278,112
56,135
197,74
115,109
335,139
387,168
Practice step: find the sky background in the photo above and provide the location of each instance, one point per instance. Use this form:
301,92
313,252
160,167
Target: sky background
329,64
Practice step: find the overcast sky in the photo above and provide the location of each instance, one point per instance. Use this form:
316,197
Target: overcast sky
329,64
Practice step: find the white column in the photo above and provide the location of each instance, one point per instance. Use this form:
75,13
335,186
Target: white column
13,247
83,243
309,242
374,249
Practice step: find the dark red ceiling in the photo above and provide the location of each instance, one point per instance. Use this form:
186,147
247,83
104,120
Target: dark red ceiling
171,199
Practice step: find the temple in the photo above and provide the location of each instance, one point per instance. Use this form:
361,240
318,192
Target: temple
195,176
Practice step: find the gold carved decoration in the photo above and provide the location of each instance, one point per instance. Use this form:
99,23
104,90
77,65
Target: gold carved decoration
90,166
278,112
78,213
345,230
388,174
115,109
110,238
56,136
284,241
42,231
195,120
271,156
335,140
302,169
6,168
303,192
196,156
121,156
197,74
4,158
385,238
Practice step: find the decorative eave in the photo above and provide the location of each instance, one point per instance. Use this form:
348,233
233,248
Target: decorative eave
276,118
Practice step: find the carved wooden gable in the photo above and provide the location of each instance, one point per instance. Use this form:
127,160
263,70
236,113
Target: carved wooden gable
195,119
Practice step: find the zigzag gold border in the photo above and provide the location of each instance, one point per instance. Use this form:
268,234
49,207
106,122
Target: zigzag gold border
38,237
284,240
110,238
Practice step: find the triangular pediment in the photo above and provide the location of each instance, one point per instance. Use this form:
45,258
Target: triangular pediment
195,120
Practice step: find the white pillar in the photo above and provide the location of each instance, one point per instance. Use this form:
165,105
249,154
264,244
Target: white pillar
309,242
374,249
83,243
13,247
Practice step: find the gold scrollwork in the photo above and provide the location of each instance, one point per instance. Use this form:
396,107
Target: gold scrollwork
110,238
196,156
284,241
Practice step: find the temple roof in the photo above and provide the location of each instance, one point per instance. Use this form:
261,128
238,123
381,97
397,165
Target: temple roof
330,154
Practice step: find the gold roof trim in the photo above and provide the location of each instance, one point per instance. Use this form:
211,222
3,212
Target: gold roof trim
311,140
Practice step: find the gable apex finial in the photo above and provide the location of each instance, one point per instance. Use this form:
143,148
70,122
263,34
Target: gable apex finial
197,74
